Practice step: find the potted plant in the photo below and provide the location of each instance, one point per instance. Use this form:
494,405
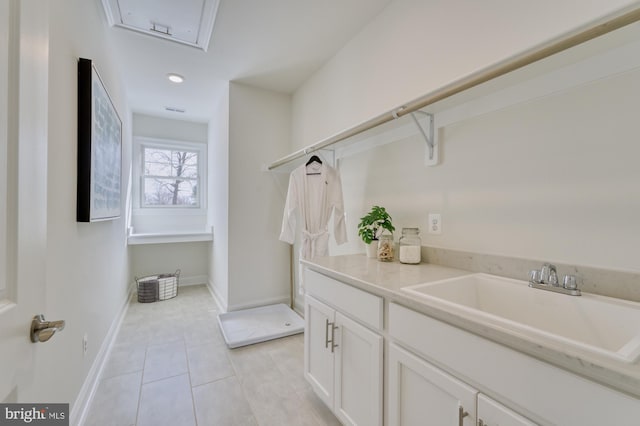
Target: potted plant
372,225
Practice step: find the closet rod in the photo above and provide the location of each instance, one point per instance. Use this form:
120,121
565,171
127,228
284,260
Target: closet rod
603,26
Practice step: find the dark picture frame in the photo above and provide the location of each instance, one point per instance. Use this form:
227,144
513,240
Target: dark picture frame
99,149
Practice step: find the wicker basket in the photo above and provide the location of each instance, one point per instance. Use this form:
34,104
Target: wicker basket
158,287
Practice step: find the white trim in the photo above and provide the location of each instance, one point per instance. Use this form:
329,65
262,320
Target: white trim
205,29
5,58
219,303
173,237
222,307
193,280
197,181
255,304
139,143
210,11
81,406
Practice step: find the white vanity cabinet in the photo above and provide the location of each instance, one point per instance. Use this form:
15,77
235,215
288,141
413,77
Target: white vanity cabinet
492,413
524,390
422,394
343,352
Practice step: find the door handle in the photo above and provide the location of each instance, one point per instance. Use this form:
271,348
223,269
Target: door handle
42,330
326,333
461,415
333,337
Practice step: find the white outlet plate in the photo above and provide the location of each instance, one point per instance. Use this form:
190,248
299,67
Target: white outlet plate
435,223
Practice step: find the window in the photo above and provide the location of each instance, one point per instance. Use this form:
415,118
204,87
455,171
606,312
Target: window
171,176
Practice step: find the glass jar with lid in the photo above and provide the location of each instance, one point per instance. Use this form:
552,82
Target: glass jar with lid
385,248
410,243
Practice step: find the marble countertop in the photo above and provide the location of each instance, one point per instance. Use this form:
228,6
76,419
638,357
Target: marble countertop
386,279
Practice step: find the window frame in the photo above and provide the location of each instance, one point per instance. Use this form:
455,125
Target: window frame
142,143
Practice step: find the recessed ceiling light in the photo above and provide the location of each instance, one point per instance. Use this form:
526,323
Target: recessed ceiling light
176,78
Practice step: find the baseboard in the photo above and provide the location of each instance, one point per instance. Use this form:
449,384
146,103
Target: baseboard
255,304
194,280
90,385
222,307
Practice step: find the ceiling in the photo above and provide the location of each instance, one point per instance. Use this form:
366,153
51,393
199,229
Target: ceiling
274,44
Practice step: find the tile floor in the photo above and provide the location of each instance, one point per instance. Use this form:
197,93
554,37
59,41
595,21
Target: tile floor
170,366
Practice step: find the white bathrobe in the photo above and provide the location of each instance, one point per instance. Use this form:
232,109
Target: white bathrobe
315,197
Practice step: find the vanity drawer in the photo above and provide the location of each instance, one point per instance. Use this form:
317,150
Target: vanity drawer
358,304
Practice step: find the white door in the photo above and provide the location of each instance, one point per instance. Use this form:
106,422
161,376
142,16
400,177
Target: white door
318,352
422,394
358,374
492,413
23,184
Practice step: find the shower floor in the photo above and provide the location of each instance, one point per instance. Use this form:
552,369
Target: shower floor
248,326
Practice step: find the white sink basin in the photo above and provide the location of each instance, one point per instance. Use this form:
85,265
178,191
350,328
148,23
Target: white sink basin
599,324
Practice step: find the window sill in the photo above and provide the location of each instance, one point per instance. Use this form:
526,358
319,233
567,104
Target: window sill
169,237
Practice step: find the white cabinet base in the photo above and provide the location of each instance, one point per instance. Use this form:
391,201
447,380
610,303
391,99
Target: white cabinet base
343,364
492,413
538,390
358,378
420,393
318,359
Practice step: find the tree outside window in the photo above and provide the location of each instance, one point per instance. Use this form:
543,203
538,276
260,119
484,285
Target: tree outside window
170,177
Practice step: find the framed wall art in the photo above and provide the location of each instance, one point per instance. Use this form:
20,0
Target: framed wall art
99,149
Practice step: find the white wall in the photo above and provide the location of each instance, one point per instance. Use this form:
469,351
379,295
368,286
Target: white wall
87,263
166,128
259,126
248,265
551,179
219,199
416,46
191,258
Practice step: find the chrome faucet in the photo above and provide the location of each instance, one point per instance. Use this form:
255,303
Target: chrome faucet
547,279
549,275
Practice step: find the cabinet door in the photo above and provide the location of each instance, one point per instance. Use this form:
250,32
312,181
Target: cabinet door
318,357
422,394
492,413
358,374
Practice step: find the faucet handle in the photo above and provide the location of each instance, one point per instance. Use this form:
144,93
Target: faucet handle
534,276
569,282
544,273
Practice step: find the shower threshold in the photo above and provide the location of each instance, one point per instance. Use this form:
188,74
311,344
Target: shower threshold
255,325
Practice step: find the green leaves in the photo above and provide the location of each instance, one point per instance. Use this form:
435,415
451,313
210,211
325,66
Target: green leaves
372,225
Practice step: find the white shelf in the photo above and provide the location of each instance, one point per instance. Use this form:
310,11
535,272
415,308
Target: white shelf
169,237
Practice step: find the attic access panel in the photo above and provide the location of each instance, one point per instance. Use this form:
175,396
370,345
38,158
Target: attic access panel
188,22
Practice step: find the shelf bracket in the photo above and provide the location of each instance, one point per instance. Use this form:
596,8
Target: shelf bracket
432,158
